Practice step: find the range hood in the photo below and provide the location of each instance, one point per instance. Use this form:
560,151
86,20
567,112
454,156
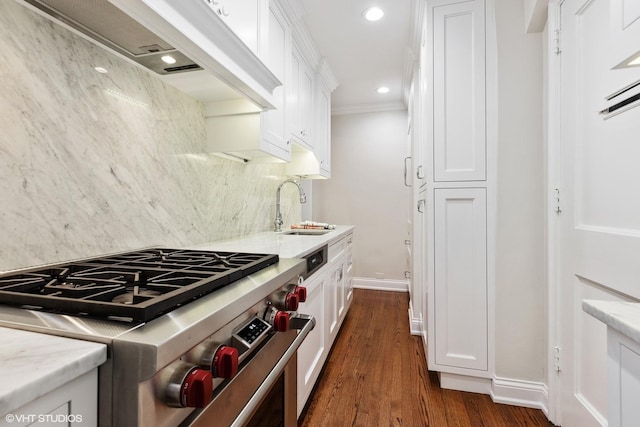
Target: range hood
208,54
103,22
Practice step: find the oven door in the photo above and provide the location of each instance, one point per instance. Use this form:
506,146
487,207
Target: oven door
264,392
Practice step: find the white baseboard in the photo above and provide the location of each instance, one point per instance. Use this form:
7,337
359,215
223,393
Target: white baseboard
464,383
415,322
502,390
380,284
521,393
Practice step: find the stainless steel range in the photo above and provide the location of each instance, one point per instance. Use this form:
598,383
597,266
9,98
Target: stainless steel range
194,337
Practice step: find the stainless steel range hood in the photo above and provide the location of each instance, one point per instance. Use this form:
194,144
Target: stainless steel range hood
108,25
212,63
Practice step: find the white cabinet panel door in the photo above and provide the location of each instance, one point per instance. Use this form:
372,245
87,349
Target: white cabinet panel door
624,380
275,131
312,352
599,223
460,285
625,30
459,137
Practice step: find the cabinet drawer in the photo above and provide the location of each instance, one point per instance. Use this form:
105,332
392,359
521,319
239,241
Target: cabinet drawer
337,249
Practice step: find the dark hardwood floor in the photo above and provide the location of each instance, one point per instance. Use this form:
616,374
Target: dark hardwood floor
376,376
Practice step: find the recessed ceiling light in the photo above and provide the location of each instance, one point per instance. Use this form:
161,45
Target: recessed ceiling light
101,70
373,14
383,89
168,59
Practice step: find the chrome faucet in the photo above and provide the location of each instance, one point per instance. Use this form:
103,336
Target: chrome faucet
303,199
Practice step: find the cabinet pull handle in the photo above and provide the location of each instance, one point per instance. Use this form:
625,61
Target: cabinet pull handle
405,171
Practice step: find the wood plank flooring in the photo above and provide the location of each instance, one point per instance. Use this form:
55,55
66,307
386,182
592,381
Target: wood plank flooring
376,376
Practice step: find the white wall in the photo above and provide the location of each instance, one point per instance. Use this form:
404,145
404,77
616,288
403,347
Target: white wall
366,190
520,262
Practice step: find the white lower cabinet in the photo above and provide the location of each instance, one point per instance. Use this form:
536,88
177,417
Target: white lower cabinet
329,295
74,404
624,380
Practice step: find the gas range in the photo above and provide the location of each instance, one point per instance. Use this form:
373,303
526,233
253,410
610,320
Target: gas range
187,331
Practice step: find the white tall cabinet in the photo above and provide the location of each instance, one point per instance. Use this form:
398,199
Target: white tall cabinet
454,196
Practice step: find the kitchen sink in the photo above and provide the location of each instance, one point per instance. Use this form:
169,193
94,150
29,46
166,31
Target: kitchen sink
303,232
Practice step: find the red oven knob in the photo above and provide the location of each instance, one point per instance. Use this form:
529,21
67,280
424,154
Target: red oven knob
291,301
196,389
301,291
225,362
281,321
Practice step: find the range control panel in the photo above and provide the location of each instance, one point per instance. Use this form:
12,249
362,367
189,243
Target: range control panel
251,334
252,331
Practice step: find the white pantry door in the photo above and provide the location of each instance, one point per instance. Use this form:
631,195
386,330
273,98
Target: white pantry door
599,226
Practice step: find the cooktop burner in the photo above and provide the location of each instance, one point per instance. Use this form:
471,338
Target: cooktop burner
135,286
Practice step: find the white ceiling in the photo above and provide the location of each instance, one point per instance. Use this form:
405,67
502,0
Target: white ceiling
363,55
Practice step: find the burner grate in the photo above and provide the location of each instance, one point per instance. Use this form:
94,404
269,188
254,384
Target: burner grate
136,286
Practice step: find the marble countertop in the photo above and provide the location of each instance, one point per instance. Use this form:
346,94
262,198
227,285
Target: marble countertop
624,317
286,246
33,364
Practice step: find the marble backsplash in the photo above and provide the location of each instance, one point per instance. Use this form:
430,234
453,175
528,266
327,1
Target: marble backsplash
96,163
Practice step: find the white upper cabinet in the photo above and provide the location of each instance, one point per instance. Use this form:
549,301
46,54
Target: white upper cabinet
301,100
242,16
311,156
624,19
459,93
240,130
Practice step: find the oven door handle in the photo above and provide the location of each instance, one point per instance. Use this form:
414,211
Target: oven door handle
305,324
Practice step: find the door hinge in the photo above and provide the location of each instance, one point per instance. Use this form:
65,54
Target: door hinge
556,359
556,41
556,200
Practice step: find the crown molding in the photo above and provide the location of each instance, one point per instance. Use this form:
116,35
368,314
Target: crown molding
367,108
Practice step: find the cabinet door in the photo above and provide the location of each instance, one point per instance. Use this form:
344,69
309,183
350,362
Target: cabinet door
311,353
274,129
241,16
624,379
300,99
306,105
624,19
294,97
340,290
459,137
332,298
348,274
460,278
322,140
